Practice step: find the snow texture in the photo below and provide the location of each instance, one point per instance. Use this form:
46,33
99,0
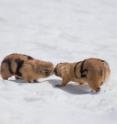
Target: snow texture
58,31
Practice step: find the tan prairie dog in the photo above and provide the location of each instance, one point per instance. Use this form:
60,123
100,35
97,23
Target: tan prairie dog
11,64
25,67
92,71
32,70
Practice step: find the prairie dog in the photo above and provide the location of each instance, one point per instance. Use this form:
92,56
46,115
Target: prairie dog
92,71
25,67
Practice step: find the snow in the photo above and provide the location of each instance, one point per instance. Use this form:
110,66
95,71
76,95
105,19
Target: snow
58,31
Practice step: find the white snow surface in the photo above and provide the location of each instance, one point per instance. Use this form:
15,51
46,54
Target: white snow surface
58,31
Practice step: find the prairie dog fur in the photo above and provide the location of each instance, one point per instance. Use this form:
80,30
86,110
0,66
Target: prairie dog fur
25,67
92,71
11,64
32,70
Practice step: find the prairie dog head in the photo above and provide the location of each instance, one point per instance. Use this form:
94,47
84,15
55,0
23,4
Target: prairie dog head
44,68
62,69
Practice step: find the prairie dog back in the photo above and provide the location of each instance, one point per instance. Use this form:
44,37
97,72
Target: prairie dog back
11,64
98,68
92,71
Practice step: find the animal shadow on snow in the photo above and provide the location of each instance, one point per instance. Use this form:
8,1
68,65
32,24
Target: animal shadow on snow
71,88
19,81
